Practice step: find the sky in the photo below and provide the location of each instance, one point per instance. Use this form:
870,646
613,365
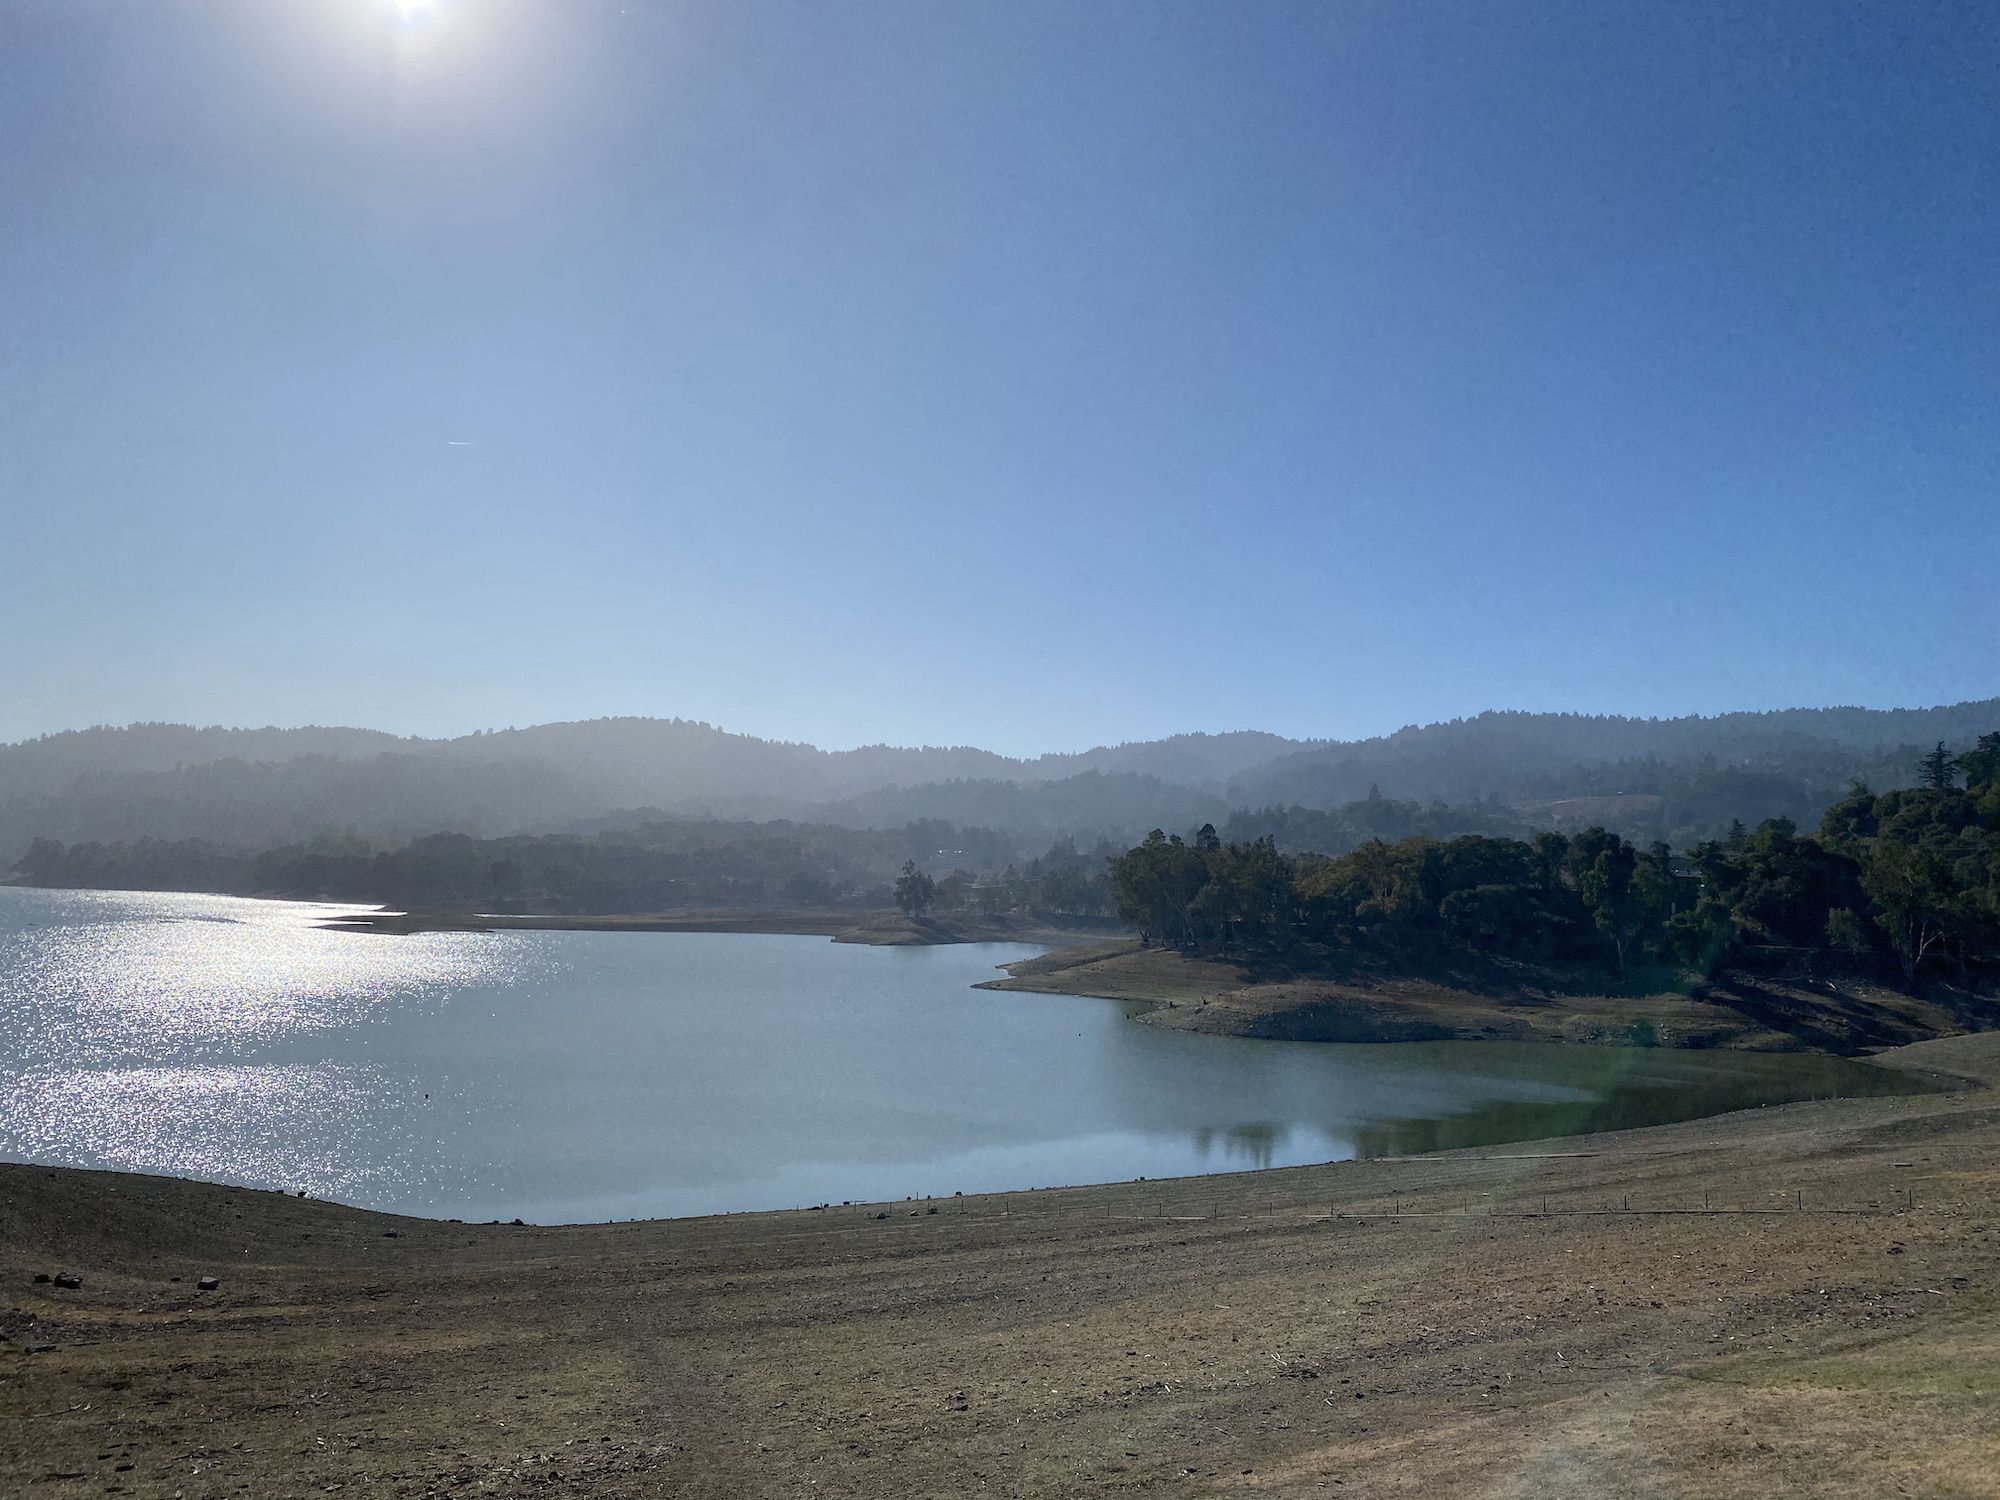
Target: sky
1027,375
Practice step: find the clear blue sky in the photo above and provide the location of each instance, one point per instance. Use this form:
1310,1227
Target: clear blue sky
1027,375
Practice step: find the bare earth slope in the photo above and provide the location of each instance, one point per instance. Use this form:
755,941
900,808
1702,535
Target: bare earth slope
1791,1301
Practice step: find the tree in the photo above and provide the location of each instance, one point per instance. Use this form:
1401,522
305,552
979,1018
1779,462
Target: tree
1601,866
915,891
1981,766
1789,884
1248,900
1494,918
1909,884
1657,890
1846,931
1939,769
1157,886
1850,820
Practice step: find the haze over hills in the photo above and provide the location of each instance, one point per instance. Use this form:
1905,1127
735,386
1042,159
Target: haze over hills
256,788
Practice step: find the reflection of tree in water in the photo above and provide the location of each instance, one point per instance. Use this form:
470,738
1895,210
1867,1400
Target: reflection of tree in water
1624,1106
1256,1144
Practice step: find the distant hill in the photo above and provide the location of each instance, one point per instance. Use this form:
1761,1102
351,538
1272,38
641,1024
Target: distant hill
56,760
256,788
1677,779
1464,759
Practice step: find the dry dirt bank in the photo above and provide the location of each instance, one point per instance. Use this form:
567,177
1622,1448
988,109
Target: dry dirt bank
1554,1319
1191,994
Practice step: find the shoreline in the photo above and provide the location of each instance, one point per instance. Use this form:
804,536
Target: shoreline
1738,1012
1798,1299
1928,1080
871,928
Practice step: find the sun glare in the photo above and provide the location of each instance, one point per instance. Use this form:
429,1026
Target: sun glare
413,12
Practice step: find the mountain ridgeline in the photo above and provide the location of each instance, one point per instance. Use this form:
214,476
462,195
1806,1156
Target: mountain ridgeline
241,792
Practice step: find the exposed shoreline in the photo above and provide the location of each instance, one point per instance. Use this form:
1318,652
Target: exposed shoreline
1741,1012
1803,1299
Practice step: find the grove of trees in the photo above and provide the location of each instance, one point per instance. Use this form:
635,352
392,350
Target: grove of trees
914,890
652,867
1913,872
658,866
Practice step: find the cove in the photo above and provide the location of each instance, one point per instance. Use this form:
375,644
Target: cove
586,1076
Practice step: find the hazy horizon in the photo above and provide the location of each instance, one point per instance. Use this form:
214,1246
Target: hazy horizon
1011,376
778,736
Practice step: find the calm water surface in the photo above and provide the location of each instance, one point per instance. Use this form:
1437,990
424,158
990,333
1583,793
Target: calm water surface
571,1076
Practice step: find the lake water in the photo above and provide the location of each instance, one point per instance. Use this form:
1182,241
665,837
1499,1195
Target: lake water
576,1076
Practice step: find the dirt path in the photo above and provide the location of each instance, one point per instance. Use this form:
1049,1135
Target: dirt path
1548,1319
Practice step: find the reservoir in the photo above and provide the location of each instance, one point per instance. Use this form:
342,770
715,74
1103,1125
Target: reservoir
582,1076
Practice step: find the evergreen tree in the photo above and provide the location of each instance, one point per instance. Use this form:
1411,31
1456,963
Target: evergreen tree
1939,770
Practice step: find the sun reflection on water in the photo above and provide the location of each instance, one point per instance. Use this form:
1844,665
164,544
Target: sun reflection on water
189,1035
262,1125
121,976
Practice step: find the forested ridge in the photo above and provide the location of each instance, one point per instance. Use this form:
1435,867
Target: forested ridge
1678,780
1913,873
659,866
1909,875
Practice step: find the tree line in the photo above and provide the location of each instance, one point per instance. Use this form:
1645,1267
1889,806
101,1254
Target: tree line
653,867
1913,872
656,866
